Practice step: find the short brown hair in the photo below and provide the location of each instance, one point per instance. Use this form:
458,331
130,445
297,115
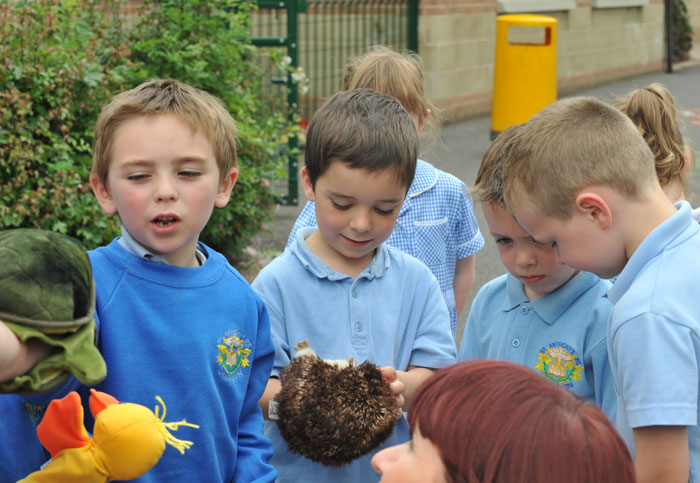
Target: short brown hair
490,419
653,110
399,74
198,109
488,186
364,129
571,144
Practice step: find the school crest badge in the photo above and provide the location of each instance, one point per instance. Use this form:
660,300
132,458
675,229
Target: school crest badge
36,413
233,352
558,361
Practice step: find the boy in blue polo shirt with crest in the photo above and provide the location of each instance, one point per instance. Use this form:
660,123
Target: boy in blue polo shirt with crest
580,177
541,314
339,285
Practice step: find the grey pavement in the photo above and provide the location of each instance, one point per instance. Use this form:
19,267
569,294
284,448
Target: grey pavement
462,145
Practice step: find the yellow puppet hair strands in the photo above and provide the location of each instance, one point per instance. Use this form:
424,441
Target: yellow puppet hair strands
178,444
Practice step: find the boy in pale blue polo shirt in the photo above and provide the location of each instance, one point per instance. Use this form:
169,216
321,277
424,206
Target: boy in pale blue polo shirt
581,178
450,232
339,285
541,314
436,223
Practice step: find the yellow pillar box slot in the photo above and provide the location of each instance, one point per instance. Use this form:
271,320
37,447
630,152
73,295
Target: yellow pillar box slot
525,70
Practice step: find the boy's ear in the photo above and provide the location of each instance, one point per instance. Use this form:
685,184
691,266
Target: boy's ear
225,188
594,207
104,197
687,160
306,184
421,123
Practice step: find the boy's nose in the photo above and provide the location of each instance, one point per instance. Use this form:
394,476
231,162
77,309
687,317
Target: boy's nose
525,258
361,221
386,457
558,257
165,190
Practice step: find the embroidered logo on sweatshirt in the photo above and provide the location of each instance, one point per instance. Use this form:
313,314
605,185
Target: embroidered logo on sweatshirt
233,352
558,361
36,413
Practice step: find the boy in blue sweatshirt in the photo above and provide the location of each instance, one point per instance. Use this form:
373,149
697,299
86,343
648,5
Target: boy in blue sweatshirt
175,319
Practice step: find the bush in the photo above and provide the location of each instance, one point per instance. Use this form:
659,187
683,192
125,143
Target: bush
207,44
682,33
58,65
61,61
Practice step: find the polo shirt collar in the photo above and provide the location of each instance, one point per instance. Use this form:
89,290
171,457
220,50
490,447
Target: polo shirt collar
425,178
132,246
656,242
515,295
549,307
377,266
128,242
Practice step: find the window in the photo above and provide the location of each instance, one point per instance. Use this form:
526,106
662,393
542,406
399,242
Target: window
531,6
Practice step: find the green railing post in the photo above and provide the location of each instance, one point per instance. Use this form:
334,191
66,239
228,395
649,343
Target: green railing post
413,25
293,8
288,41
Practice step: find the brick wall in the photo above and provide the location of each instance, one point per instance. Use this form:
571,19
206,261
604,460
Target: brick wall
694,13
595,45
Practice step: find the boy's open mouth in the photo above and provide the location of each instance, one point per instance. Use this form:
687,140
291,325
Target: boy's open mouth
164,220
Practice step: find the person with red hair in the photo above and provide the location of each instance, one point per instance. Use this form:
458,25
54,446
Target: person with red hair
493,421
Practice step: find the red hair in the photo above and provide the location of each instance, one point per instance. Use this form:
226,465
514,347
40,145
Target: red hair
495,421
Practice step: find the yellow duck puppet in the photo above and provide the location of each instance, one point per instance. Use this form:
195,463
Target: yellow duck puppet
128,440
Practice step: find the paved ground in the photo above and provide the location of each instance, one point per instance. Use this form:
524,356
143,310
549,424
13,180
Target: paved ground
463,144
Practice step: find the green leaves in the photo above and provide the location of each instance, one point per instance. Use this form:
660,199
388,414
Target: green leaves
682,31
61,61
52,86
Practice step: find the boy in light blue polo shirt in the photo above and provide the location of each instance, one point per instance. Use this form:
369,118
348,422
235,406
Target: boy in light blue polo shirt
339,285
436,223
541,314
581,178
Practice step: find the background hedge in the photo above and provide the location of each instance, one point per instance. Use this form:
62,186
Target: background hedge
61,61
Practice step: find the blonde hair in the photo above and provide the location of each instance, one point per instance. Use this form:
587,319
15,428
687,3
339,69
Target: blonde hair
198,109
653,110
400,75
571,144
488,186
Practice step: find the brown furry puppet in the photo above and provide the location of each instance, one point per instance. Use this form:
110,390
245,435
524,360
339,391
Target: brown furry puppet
333,412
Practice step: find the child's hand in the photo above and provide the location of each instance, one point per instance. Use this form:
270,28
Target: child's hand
397,387
17,357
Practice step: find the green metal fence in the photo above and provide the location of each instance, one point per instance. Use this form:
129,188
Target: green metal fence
332,31
320,36
275,26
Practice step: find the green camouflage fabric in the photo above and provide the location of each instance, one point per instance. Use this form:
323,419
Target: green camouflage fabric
47,292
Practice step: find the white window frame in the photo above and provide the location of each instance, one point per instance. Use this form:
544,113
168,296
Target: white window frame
531,6
618,3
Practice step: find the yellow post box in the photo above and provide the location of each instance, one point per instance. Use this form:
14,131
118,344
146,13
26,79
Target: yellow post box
525,68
